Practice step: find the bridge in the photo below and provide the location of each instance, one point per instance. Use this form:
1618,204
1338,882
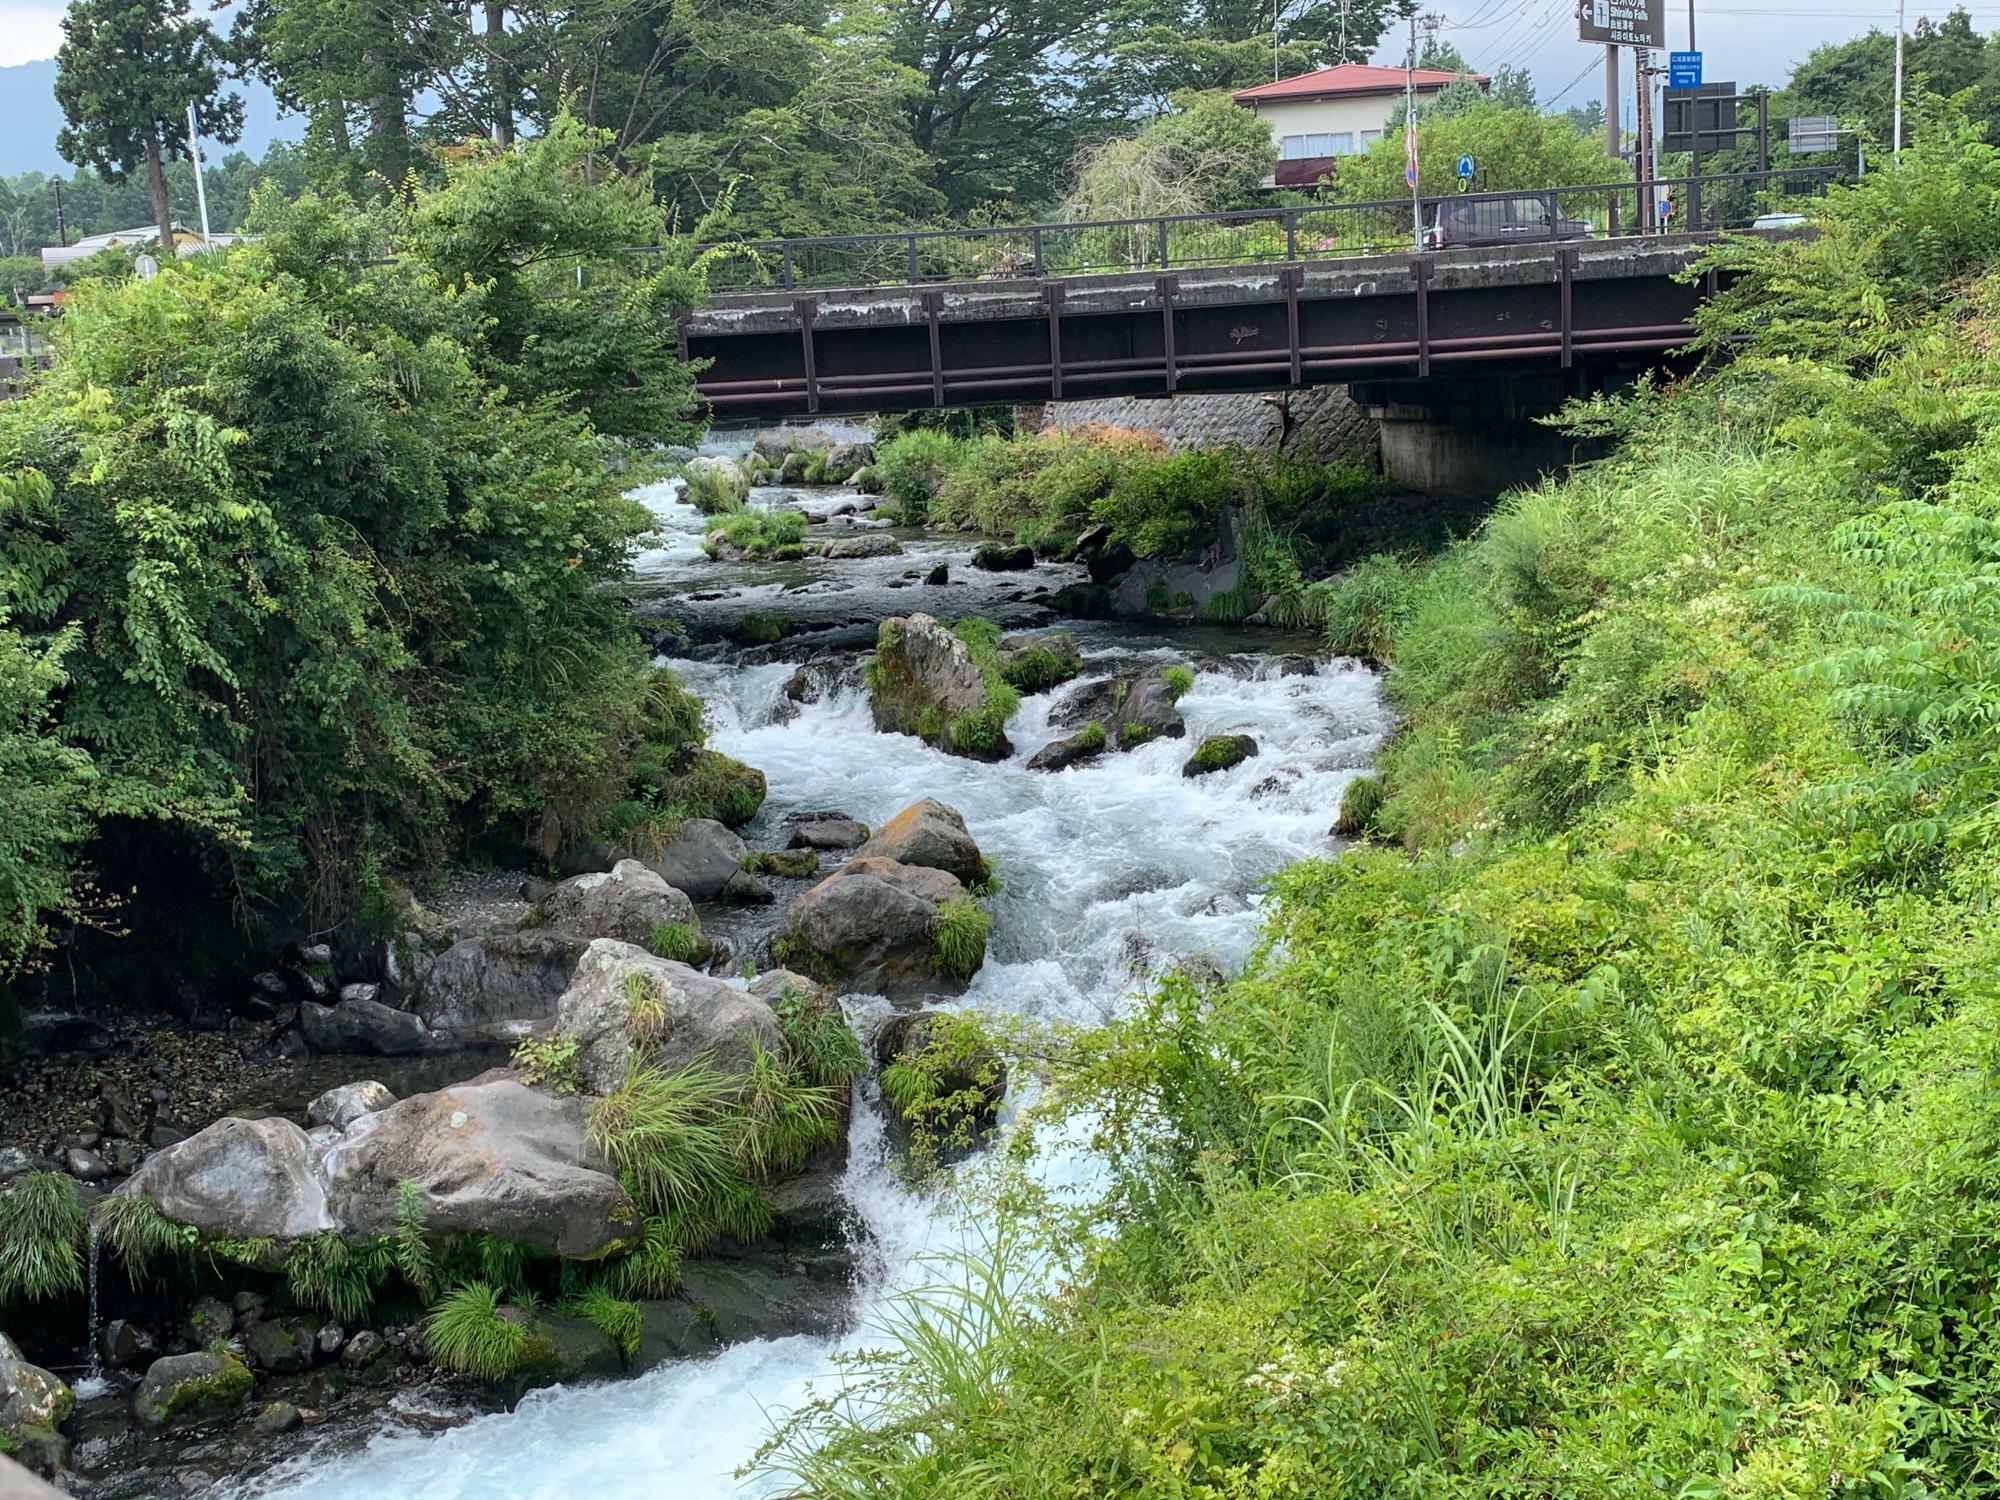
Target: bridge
1563,299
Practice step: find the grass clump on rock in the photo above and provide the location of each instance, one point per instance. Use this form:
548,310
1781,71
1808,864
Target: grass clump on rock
674,940
1179,681
42,1232
984,729
1092,736
776,535
818,1040
467,1332
958,937
1359,803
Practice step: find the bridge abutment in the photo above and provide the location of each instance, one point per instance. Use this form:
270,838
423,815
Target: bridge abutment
1471,439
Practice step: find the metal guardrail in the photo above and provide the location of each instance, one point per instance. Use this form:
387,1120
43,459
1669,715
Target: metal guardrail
1170,242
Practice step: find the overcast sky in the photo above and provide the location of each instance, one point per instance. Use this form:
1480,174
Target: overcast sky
1745,41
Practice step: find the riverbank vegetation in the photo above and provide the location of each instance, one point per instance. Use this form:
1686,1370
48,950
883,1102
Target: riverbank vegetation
1620,1121
312,560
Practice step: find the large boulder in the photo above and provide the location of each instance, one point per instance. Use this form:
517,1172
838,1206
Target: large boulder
1071,750
191,1390
755,1298
363,1026
627,902
1134,710
33,1406
925,682
929,833
825,831
867,544
623,999
492,1156
700,860
482,983
868,926
246,1179
845,460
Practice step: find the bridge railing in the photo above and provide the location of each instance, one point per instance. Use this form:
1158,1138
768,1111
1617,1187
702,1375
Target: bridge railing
1171,242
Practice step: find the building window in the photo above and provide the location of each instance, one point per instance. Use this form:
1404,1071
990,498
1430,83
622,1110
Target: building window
1369,138
1320,143
1300,147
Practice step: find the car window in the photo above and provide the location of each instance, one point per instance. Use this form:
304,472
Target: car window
1528,210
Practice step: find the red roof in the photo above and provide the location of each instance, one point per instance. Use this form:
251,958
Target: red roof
1349,78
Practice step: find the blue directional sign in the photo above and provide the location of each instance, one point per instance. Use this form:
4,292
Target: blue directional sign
1466,167
1684,70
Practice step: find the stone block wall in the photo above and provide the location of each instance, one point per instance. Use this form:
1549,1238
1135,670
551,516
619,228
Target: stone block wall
1319,419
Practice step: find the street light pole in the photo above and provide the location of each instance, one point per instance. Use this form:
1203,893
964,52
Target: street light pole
200,188
1897,136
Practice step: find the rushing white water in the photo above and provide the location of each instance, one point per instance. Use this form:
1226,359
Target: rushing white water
1107,871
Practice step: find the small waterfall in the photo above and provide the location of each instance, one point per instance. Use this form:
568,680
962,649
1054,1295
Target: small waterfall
93,1382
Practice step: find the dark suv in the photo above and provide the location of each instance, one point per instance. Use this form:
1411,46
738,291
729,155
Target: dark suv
1501,221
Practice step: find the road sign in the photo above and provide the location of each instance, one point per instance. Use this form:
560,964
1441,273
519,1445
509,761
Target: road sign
1813,133
1623,23
1466,168
1684,70
1709,110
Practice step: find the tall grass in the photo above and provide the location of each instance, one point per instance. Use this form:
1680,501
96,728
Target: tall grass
466,1332
42,1232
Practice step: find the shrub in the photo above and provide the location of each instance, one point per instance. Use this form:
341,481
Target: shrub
42,1232
550,1063
958,937
1364,608
467,1333
910,466
1163,509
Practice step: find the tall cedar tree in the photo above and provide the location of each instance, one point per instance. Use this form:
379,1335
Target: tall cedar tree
125,75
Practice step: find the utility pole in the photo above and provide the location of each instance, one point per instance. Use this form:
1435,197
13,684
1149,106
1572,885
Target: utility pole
1897,134
62,228
194,154
1614,145
1642,78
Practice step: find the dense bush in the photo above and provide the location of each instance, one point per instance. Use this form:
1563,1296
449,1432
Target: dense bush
1631,1129
910,466
311,561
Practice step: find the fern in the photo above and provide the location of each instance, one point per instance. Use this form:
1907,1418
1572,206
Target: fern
413,1250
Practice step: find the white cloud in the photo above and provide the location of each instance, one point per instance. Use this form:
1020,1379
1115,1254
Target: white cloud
29,30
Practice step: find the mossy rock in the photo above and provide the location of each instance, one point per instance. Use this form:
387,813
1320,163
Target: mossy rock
1218,752
191,1390
562,1351
786,864
758,630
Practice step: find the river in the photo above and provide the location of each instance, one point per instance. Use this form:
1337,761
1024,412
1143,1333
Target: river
1108,872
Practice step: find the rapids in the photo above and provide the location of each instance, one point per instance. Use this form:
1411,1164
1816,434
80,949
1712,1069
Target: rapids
1108,871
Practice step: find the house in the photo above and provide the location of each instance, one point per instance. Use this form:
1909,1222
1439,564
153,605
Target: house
186,242
1317,118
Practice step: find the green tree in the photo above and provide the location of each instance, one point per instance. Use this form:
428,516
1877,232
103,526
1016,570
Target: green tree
126,73
1208,155
312,559
1514,148
1224,44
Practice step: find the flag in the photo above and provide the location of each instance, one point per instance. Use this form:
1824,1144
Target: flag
1410,148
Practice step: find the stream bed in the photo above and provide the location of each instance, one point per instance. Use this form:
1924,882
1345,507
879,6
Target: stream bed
1109,872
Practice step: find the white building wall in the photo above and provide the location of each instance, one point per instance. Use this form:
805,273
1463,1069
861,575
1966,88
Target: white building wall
1348,117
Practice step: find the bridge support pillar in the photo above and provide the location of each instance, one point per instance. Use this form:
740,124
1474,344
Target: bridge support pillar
1470,440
